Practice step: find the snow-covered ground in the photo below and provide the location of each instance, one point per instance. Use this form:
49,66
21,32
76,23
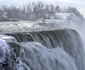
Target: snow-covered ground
66,20
15,26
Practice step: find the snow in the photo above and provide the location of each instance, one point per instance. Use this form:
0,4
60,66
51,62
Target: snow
65,15
8,38
4,49
15,26
21,65
65,20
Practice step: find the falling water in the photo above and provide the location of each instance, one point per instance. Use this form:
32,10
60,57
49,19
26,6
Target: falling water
44,50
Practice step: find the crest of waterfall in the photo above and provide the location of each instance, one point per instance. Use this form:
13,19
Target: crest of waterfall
43,50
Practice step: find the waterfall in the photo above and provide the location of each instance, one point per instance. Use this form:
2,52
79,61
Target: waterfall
43,50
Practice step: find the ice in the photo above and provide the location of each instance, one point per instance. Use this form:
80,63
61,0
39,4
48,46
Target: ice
4,50
21,65
8,38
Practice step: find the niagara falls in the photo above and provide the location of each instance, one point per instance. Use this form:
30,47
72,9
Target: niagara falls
42,35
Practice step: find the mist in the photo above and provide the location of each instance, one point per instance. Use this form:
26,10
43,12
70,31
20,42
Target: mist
42,35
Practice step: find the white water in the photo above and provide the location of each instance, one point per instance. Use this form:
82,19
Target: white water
37,57
41,58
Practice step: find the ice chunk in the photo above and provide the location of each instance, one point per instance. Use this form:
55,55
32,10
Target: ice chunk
8,38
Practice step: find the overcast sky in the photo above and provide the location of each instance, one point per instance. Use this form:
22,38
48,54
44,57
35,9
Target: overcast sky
79,4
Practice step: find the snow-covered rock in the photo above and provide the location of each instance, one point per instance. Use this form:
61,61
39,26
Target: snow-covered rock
8,38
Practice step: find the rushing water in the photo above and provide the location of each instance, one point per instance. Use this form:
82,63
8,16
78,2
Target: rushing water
43,50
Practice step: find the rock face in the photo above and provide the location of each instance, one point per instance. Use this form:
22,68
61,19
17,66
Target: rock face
44,50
